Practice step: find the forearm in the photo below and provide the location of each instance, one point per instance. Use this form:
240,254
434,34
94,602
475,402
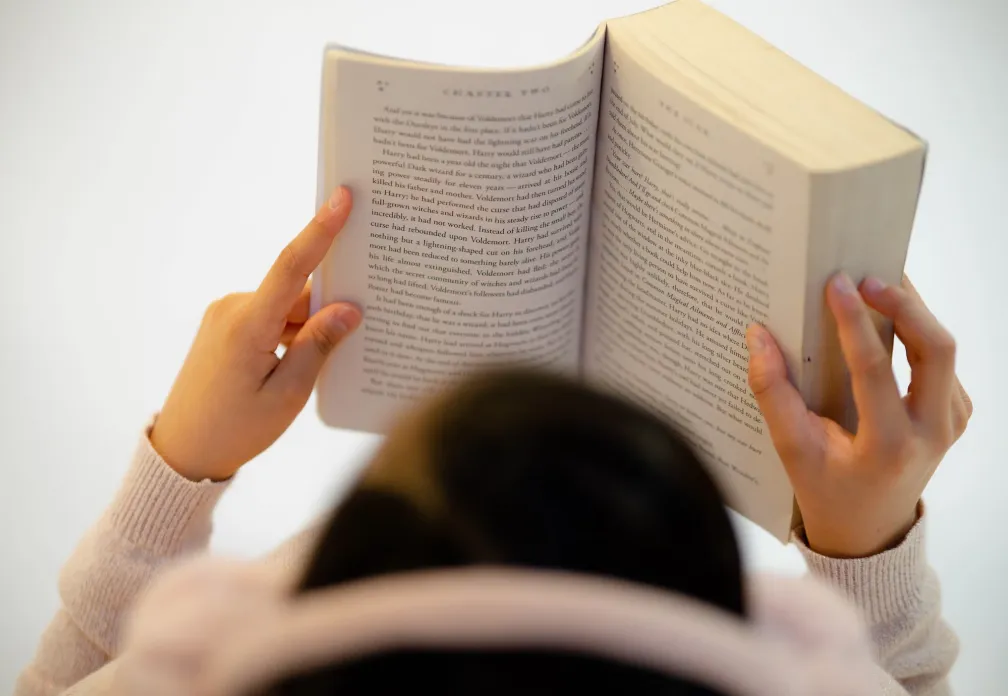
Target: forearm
156,517
898,594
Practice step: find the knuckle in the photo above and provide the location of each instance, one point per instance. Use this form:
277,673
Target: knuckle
968,405
903,308
789,450
877,367
225,315
290,261
944,346
898,294
928,441
214,310
960,418
222,304
895,444
946,435
890,448
232,299
796,448
896,300
962,411
324,340
761,378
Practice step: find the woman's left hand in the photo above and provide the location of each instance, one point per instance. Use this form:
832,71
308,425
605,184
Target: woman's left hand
234,397
859,492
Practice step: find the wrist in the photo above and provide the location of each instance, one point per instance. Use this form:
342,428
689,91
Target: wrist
171,449
868,537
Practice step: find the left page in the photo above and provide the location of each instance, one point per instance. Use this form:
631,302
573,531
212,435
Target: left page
467,242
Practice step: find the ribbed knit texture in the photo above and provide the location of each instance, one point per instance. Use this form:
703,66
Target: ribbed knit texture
883,586
156,517
158,510
899,596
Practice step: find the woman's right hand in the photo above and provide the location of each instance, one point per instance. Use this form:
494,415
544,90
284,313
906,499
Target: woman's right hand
234,396
859,494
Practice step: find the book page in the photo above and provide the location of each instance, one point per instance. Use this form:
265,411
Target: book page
468,239
697,231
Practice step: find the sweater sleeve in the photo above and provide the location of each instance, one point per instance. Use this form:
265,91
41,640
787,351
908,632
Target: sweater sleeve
288,559
898,594
156,517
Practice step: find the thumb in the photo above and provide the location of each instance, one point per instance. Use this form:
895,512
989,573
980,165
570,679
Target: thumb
783,409
309,349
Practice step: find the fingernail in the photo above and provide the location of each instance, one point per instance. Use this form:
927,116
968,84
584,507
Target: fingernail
755,340
843,284
345,319
335,202
873,286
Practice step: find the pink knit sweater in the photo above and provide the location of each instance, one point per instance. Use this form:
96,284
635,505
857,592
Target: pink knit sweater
158,517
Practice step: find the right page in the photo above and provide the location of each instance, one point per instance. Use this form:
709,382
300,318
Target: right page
690,242
730,183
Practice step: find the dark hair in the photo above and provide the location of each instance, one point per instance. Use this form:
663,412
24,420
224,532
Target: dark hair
533,470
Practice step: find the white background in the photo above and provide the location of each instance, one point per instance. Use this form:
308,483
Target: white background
154,156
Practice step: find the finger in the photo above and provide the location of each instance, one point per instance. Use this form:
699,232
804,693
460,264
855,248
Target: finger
301,310
289,332
967,401
782,407
962,409
876,394
933,349
962,404
300,366
910,287
286,279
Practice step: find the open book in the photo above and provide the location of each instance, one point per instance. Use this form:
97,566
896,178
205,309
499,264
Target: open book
622,214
